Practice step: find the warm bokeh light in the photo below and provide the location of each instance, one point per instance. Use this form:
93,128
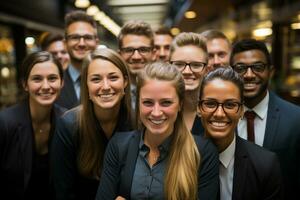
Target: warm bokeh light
5,72
262,32
92,10
82,3
29,41
175,31
295,25
190,14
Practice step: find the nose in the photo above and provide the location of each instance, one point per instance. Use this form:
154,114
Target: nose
219,111
216,60
45,84
81,41
162,52
106,84
136,54
187,69
249,73
156,111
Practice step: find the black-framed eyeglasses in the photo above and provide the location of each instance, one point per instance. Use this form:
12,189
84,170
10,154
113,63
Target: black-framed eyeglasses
194,66
76,37
255,68
129,51
211,106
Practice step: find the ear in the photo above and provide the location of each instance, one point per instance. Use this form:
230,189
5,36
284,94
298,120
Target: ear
62,83
125,81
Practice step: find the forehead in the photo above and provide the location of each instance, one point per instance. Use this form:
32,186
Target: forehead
158,89
81,28
44,68
218,44
221,90
189,53
162,39
56,46
135,41
101,66
250,56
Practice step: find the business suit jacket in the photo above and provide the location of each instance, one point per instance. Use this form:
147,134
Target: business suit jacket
67,97
120,160
257,173
282,136
17,147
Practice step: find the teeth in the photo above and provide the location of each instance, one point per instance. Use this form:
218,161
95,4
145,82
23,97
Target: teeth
45,95
105,95
219,124
157,122
250,85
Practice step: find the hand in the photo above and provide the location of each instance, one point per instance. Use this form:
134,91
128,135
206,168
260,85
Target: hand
120,198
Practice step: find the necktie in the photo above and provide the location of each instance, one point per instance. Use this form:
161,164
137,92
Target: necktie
250,116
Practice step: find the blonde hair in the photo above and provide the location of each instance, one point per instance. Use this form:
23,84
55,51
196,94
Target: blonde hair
188,38
181,180
91,148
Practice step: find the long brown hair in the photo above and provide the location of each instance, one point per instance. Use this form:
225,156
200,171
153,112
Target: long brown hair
181,180
91,148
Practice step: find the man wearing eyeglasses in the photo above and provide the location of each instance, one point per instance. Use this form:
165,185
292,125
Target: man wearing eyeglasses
80,38
272,122
136,47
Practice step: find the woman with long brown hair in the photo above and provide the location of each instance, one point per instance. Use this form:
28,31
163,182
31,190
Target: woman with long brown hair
26,130
83,132
160,160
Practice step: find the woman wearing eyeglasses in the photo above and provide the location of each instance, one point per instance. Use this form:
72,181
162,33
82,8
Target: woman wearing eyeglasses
247,171
189,54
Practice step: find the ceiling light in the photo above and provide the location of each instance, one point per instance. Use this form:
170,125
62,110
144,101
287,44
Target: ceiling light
190,14
92,10
175,31
262,32
140,9
82,3
295,25
135,2
5,72
29,41
299,17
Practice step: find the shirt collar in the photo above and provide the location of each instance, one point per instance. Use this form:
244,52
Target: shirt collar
261,109
74,73
228,154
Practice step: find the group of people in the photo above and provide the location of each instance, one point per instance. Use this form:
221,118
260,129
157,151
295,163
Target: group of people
190,117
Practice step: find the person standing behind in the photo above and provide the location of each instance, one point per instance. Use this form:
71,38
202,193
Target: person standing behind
81,38
162,159
83,133
247,171
136,47
269,121
26,130
218,48
189,55
162,43
54,43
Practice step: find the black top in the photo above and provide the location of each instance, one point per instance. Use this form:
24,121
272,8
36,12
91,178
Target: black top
197,128
68,183
17,149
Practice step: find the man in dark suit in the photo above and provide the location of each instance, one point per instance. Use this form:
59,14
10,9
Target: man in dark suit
80,38
275,120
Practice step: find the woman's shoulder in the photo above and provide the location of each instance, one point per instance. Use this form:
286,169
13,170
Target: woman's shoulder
205,146
125,136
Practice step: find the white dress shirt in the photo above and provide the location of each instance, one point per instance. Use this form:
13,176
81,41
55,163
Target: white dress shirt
260,121
226,170
75,76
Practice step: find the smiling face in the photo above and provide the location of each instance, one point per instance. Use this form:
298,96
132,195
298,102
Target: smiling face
58,50
218,53
78,46
136,60
190,54
159,106
43,84
255,84
218,125
105,83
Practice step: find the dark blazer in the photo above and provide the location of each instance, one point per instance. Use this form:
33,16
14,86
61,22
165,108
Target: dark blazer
282,136
256,173
67,97
17,147
69,184
120,160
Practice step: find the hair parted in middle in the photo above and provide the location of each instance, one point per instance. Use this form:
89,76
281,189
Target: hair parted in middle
91,150
184,157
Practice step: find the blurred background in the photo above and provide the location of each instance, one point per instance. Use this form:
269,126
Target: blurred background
276,22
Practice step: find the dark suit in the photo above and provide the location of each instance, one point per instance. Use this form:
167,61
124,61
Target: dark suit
282,136
120,161
256,173
67,97
17,147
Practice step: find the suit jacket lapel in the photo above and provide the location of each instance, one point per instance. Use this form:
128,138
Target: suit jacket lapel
131,157
240,169
272,122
